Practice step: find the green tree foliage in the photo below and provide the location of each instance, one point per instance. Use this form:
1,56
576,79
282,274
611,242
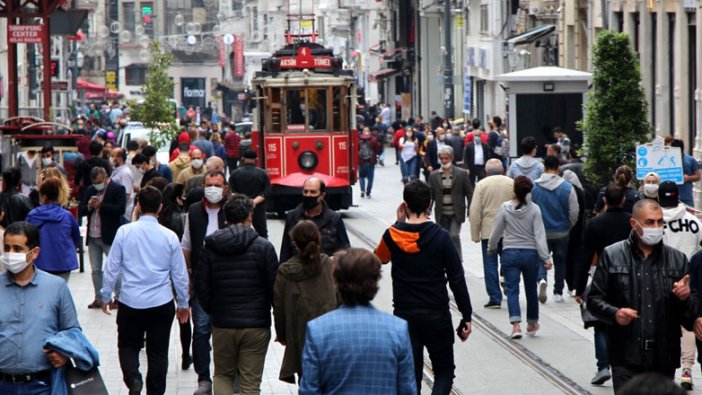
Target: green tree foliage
615,114
156,111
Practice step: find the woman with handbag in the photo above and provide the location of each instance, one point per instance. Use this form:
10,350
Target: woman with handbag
521,228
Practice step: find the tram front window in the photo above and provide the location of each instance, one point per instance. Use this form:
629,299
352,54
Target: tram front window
307,107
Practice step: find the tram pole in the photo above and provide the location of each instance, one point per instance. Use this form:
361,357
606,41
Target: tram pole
448,66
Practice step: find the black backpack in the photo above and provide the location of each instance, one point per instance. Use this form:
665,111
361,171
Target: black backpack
365,152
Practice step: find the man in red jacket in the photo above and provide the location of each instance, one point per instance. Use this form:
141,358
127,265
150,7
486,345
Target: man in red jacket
232,140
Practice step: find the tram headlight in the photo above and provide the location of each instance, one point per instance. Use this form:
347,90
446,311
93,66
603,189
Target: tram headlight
307,160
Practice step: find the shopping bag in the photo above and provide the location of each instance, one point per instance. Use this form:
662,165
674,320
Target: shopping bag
81,382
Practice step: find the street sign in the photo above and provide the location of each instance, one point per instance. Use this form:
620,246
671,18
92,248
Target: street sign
664,161
25,34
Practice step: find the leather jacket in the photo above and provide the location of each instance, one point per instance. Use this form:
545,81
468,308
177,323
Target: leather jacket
617,284
15,206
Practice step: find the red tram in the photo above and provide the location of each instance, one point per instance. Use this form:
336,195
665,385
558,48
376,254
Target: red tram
304,120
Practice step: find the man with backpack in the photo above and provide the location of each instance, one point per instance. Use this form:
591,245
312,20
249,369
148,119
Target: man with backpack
498,143
368,149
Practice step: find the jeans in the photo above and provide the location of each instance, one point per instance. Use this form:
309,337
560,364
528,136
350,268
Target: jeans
559,249
524,262
492,276
202,331
601,347
239,352
366,171
36,387
622,374
435,332
96,249
452,226
408,168
132,325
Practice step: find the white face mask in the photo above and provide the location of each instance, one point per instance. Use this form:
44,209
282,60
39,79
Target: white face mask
112,161
651,236
446,165
651,189
213,194
141,170
196,163
15,262
47,161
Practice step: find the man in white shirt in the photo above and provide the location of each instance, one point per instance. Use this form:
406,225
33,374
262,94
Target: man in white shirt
150,260
123,174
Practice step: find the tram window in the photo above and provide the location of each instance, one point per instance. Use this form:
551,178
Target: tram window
307,107
336,108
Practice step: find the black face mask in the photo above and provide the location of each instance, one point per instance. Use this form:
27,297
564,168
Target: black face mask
309,202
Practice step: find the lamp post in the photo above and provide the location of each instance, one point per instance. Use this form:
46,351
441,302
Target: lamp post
448,67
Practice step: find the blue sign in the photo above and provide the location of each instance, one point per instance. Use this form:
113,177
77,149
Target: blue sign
664,161
467,92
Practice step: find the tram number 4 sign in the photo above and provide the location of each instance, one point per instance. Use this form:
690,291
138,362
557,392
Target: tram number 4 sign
664,161
25,34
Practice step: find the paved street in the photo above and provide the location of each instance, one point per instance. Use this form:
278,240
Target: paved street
483,365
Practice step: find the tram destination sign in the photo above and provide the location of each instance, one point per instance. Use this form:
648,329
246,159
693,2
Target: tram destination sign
304,59
25,34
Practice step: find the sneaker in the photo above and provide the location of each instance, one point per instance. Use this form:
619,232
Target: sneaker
95,305
686,380
363,194
558,298
204,387
516,334
542,291
136,387
492,305
532,328
186,362
601,377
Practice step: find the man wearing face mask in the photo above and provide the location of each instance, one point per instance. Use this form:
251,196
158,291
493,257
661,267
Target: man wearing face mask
475,154
48,159
145,169
315,209
124,176
82,178
104,204
203,219
640,290
253,182
196,167
452,191
26,366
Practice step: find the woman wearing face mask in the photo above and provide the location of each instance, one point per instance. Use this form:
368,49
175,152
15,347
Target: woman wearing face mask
649,188
429,152
408,155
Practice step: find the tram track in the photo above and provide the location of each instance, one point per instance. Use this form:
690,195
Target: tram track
520,352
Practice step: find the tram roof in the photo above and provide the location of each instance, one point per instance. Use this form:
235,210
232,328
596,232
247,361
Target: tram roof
300,78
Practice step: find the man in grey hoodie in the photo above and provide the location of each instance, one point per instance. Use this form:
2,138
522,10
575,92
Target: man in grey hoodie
527,165
558,202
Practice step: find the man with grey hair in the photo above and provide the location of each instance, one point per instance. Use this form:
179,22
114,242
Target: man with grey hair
490,193
451,191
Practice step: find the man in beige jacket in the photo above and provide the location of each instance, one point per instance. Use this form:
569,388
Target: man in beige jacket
489,194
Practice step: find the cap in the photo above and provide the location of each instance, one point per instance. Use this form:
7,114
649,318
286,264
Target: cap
668,194
250,154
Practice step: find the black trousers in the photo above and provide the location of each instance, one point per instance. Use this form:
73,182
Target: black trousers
132,325
622,374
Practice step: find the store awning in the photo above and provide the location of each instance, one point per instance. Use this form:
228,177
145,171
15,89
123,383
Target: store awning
532,35
382,73
231,86
104,95
392,52
89,86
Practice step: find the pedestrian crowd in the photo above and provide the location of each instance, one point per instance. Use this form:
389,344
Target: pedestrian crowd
182,241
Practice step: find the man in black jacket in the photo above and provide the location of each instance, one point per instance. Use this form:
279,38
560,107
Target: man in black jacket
14,205
315,209
234,284
203,219
475,155
603,231
103,203
423,262
253,182
640,289
82,178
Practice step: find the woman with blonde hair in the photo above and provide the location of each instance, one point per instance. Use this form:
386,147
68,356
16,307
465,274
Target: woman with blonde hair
64,191
219,148
304,290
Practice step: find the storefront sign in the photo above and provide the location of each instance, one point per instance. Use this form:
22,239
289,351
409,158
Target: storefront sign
25,34
193,92
238,56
